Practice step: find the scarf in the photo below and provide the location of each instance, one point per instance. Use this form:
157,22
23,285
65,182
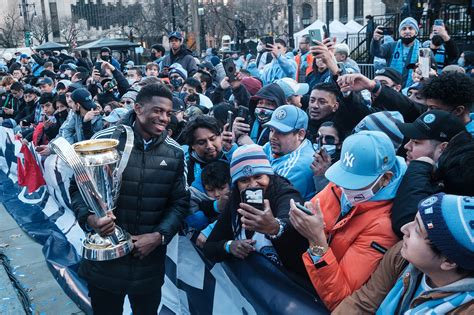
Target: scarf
400,65
399,300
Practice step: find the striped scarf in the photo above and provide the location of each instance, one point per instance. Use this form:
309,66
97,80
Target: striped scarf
437,301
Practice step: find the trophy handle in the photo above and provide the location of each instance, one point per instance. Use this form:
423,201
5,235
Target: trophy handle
127,151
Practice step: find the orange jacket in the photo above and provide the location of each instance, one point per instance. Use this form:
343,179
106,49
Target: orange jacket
352,254
309,61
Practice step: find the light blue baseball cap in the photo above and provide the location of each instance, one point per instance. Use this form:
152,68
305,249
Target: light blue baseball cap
288,118
365,156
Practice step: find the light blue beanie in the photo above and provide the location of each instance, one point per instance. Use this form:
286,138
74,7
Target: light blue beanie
409,21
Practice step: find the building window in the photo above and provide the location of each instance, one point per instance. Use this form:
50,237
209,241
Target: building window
329,10
53,12
307,14
343,11
358,9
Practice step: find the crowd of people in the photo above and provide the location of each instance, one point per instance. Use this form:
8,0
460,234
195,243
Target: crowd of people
360,189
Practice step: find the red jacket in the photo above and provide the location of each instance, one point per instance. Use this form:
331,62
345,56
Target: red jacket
353,243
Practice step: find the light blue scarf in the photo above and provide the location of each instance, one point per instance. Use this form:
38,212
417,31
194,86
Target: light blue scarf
399,64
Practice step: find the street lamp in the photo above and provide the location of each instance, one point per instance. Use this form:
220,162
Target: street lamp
202,31
25,12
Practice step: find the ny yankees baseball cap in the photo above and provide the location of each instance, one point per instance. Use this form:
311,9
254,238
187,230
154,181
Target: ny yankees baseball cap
365,156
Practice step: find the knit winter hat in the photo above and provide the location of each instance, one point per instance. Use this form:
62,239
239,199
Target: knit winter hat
409,21
386,122
449,222
178,68
249,160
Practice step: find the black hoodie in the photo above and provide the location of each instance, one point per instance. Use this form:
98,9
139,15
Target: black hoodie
184,58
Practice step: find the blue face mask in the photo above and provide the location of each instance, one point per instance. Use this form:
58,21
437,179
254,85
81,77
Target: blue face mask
176,83
330,148
461,62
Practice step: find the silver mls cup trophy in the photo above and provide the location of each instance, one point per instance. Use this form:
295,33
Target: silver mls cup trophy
98,167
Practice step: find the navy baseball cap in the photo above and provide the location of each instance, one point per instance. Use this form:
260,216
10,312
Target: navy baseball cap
365,156
288,118
45,80
177,35
84,98
435,125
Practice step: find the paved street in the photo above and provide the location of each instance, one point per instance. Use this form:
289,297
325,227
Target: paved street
29,266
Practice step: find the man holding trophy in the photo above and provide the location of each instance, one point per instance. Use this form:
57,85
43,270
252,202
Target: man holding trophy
135,184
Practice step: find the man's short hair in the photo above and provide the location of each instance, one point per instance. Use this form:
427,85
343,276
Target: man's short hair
216,174
149,91
16,86
138,70
48,64
206,122
159,48
280,41
452,89
194,83
206,77
328,87
150,65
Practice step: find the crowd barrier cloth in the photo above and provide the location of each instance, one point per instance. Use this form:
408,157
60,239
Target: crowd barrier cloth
192,286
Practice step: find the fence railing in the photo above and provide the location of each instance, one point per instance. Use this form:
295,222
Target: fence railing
367,69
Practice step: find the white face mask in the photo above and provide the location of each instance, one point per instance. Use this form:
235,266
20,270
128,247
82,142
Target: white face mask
358,196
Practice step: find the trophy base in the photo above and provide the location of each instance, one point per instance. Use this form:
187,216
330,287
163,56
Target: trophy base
97,248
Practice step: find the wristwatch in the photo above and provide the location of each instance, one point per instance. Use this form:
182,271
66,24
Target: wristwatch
317,250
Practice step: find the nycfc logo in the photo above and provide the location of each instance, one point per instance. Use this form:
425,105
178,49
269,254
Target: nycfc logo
348,159
247,171
281,114
429,118
429,201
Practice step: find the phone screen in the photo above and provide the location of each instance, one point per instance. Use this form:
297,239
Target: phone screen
253,197
438,22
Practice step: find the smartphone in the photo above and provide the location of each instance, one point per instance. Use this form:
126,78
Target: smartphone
98,67
326,32
230,120
229,67
253,197
244,113
387,30
319,138
303,208
424,61
438,22
268,40
315,35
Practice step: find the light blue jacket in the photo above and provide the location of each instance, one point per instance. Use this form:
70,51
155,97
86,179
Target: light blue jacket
295,167
282,67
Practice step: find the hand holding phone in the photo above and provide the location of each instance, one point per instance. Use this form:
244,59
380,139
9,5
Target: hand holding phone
303,208
424,62
244,113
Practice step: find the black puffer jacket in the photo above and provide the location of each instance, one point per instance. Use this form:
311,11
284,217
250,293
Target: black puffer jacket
153,198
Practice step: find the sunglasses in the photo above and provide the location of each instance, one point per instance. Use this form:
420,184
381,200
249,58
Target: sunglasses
327,139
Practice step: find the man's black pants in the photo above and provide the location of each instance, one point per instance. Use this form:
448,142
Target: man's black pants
107,303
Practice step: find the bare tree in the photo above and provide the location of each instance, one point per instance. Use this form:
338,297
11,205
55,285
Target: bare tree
70,31
40,29
11,30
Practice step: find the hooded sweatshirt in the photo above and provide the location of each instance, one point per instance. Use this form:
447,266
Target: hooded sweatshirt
184,57
282,67
272,92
